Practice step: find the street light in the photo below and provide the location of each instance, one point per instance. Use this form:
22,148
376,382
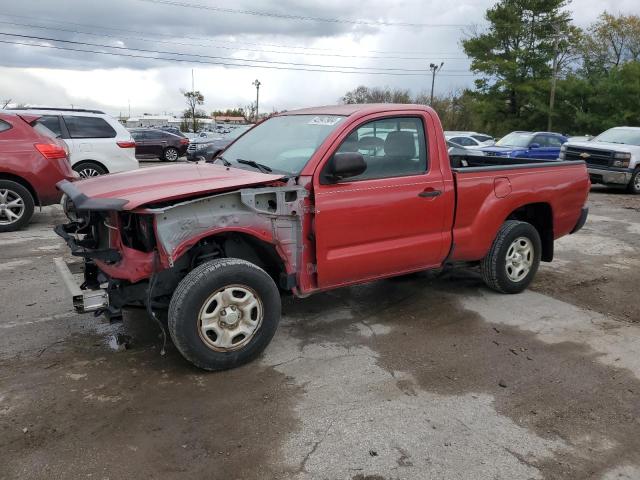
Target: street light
256,83
434,69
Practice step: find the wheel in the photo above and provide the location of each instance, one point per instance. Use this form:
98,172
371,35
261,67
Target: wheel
89,169
513,259
634,184
224,313
170,154
16,206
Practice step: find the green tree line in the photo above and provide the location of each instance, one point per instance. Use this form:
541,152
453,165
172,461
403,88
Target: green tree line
528,44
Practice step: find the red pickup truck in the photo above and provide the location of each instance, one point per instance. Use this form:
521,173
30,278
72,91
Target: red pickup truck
308,201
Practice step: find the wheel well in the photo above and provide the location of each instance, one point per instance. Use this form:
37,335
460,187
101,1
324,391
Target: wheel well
83,162
23,182
245,247
540,216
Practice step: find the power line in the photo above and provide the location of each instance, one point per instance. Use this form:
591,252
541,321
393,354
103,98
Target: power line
142,39
226,64
181,54
285,16
296,47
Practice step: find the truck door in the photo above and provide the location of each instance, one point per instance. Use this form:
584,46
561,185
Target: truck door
390,218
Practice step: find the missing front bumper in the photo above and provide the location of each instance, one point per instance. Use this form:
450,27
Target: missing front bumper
83,300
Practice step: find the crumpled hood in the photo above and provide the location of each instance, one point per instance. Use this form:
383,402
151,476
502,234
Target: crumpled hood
130,190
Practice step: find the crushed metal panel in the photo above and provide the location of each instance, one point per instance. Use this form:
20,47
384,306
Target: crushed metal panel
276,211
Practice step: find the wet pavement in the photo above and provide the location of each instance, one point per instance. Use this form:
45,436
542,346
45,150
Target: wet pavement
423,376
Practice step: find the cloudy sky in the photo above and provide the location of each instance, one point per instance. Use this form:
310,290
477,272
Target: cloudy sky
155,44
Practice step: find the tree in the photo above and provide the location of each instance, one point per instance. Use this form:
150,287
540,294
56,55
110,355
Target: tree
194,99
514,55
364,94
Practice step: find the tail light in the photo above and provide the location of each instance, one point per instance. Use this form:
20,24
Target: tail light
127,144
184,141
51,151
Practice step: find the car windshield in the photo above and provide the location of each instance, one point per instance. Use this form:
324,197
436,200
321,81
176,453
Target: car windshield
285,143
236,132
515,139
626,136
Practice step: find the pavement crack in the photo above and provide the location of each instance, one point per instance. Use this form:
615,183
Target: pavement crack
303,463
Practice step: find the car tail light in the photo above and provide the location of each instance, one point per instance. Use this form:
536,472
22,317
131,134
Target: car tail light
127,144
51,151
184,141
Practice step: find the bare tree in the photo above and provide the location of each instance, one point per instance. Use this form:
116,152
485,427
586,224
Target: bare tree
194,99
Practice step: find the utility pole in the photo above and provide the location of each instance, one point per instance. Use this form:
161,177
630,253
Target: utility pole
193,83
434,69
554,77
257,84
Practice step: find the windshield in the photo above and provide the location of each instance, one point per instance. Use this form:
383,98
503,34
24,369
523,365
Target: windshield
515,139
284,144
627,136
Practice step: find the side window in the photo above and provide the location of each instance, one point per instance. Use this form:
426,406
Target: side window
4,126
554,141
88,127
153,135
391,147
138,136
542,140
464,141
52,122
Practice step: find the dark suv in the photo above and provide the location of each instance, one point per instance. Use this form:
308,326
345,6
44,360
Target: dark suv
153,143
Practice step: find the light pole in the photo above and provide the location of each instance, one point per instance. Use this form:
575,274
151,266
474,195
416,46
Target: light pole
434,69
257,84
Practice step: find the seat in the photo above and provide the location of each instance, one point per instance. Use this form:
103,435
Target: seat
400,152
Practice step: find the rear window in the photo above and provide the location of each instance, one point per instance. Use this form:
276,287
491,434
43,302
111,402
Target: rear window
41,129
88,127
52,122
4,126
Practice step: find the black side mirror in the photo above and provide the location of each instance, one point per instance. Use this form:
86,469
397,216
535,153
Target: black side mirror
534,146
344,165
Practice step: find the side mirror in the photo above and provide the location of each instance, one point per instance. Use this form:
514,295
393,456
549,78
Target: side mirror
534,146
344,165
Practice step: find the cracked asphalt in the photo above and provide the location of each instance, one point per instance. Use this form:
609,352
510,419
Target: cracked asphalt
424,376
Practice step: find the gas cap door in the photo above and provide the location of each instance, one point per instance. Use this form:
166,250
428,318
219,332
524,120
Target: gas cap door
501,187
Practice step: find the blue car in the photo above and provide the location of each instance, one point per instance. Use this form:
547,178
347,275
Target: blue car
527,145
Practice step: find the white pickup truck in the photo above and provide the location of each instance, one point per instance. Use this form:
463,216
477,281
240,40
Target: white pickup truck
613,157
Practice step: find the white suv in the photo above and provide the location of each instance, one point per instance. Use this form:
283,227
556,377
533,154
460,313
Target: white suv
98,143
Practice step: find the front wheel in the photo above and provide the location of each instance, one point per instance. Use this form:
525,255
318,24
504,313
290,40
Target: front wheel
224,313
16,206
513,259
634,184
171,154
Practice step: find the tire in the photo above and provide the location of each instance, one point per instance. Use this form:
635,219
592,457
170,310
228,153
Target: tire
513,274
634,184
213,289
89,169
16,206
170,154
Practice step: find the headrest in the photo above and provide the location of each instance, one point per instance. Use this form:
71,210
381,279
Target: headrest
400,144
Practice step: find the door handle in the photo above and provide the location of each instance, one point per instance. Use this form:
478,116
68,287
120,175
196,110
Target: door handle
430,193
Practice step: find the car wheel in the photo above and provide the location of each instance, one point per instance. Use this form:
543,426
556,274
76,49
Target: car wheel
513,259
224,313
16,206
634,184
89,169
171,154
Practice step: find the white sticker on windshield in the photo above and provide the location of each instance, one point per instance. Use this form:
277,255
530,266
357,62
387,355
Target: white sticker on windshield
328,121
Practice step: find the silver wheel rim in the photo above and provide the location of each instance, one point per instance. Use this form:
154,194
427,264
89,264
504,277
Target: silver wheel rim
171,155
88,172
519,259
230,317
11,207
636,182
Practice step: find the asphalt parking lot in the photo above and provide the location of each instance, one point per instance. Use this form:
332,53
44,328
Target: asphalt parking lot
425,376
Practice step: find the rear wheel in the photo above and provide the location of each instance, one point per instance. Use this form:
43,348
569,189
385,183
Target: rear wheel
224,313
16,206
89,169
513,259
171,154
634,184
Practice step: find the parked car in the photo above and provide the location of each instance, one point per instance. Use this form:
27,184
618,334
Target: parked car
294,205
545,145
458,154
32,161
154,143
207,149
470,139
98,143
580,138
613,157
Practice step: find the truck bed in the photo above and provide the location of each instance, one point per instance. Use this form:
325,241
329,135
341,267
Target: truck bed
473,163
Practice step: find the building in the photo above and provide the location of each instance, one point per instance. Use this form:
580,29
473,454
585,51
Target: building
156,121
230,119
